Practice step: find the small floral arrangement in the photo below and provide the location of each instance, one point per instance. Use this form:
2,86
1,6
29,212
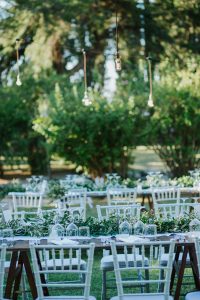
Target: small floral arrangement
185,181
129,183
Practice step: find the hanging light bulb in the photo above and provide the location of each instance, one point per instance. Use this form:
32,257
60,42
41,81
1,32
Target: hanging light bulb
150,102
86,100
18,81
118,64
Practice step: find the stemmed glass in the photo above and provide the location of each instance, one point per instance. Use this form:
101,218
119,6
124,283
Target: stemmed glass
125,228
139,228
71,229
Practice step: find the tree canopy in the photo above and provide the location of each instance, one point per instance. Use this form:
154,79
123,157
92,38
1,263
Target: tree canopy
46,116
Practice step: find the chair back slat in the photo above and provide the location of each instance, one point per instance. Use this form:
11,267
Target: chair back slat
2,268
62,259
78,254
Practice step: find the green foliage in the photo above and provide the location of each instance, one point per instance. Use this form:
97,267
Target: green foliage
56,191
17,111
41,225
174,127
129,183
98,137
7,188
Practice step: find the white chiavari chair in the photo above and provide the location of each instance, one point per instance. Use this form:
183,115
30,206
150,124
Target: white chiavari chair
118,196
166,195
71,201
124,272
107,266
71,266
123,211
175,210
27,203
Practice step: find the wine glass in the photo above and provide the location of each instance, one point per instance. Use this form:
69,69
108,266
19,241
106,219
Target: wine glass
125,228
139,228
72,230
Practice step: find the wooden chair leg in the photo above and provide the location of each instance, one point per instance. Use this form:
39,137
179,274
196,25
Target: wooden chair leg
181,273
178,251
29,274
147,278
18,278
11,275
194,266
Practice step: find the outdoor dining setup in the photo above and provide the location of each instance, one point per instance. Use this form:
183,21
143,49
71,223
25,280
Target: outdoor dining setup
50,247
99,150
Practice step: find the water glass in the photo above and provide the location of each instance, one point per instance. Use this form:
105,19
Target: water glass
194,225
150,229
7,237
84,231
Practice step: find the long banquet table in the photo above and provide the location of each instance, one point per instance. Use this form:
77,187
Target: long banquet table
20,258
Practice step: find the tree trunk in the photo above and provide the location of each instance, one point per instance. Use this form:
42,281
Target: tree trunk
37,156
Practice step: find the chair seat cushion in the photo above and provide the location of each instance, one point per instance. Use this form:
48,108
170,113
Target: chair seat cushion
193,296
143,297
165,258
66,262
107,261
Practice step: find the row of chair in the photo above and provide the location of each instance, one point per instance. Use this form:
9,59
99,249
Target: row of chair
166,201
140,270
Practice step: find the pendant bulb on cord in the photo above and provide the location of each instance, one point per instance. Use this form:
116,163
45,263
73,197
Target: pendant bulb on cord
150,102
118,65
18,81
86,100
